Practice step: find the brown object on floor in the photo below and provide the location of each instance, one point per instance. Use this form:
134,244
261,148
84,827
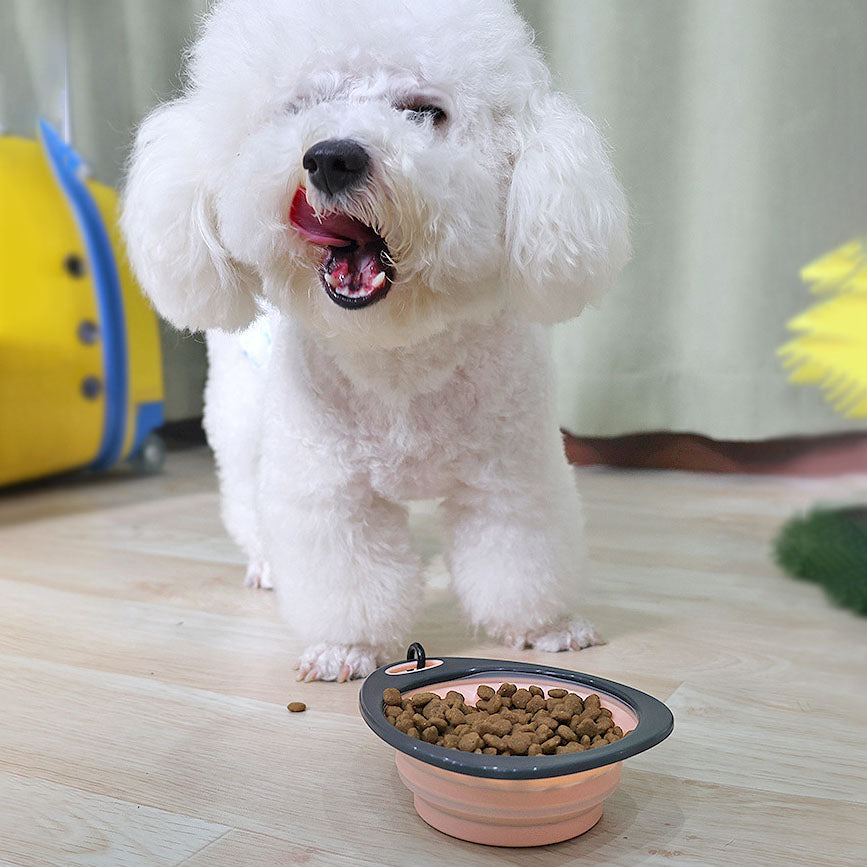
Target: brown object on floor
503,722
797,456
296,706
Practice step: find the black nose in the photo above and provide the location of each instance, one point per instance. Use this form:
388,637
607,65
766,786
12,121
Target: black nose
336,164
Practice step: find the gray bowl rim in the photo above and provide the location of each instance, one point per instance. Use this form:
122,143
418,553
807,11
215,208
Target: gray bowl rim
655,720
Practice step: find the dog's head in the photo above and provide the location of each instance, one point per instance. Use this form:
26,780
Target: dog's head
380,169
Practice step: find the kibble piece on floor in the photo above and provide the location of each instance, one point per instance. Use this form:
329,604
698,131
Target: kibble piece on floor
296,706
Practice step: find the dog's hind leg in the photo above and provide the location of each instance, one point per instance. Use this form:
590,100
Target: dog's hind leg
258,574
233,405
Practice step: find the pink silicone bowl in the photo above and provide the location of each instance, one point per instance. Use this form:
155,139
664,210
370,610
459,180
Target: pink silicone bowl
510,800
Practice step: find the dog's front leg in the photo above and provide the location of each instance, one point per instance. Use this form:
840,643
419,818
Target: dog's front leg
516,552
342,564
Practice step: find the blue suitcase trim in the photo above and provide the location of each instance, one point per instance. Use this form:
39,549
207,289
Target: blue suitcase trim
148,417
66,164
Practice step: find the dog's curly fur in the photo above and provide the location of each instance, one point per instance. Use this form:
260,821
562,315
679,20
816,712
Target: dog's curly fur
502,218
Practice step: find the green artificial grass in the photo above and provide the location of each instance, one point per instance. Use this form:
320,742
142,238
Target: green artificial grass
829,547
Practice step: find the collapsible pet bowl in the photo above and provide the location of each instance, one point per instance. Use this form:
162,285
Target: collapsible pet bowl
509,800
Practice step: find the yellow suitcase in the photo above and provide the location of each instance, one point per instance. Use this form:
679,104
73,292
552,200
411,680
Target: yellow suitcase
80,364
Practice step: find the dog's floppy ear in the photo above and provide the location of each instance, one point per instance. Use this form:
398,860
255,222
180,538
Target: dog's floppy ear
170,226
566,223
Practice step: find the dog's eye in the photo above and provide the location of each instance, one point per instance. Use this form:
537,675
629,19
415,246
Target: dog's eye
420,112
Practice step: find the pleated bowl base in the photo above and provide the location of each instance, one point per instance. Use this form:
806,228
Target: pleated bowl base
508,812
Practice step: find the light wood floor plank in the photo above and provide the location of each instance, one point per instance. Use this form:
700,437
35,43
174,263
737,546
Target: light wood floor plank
143,689
47,823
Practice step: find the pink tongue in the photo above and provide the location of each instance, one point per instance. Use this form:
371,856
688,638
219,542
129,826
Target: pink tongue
333,230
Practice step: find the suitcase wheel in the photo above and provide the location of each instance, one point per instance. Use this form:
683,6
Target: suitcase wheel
150,457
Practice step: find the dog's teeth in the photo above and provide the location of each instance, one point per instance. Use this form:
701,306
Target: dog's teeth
378,280
331,280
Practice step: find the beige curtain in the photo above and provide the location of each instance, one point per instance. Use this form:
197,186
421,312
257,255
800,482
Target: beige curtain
738,128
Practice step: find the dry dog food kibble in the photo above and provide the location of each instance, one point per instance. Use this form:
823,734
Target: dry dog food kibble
296,706
507,722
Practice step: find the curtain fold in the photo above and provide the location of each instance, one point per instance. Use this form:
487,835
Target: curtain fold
739,130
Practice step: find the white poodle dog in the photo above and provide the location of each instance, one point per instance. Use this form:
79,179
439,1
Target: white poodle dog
374,208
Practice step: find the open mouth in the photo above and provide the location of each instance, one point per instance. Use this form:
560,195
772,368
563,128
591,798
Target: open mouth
356,270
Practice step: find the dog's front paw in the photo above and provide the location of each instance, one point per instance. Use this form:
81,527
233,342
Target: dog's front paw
574,633
340,662
258,575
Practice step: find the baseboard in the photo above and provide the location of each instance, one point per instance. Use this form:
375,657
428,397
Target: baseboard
801,456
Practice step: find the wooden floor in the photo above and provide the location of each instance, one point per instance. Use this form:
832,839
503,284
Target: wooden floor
143,690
